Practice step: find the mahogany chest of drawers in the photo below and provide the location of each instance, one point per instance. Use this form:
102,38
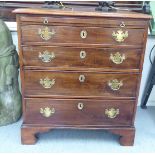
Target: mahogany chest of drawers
80,70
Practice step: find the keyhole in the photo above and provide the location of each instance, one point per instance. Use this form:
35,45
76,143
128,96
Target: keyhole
80,106
83,34
82,54
81,78
45,21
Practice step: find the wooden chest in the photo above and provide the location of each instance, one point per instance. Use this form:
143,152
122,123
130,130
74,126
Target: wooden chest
80,70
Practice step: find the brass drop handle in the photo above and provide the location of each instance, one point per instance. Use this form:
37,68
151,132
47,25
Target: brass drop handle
82,54
112,112
81,78
120,35
47,112
45,33
80,106
83,34
115,84
46,56
117,58
47,83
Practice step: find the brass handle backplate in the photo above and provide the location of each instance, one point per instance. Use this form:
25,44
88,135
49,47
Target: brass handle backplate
83,34
46,56
47,112
115,84
120,36
82,54
80,106
45,33
47,83
117,58
112,112
81,78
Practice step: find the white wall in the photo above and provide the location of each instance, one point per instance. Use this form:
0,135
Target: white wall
146,66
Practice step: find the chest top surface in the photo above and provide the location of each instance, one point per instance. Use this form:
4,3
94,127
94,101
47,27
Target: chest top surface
83,12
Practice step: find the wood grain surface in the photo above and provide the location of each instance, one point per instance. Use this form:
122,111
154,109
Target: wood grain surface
67,85
66,67
69,58
67,112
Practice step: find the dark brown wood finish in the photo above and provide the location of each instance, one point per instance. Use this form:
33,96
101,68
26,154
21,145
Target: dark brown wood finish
85,21
29,132
69,58
67,112
66,67
68,85
70,35
86,12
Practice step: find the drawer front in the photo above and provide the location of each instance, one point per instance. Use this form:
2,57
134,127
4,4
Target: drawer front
74,84
46,20
65,57
32,34
78,112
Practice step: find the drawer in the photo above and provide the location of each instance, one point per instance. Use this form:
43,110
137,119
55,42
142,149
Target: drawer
78,112
80,84
69,58
48,20
74,35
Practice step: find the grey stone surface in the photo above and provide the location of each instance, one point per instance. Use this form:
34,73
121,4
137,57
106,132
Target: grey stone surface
10,97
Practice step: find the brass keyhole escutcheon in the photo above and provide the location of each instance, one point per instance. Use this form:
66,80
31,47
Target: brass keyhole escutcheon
80,106
83,34
82,54
112,112
115,84
45,21
81,78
